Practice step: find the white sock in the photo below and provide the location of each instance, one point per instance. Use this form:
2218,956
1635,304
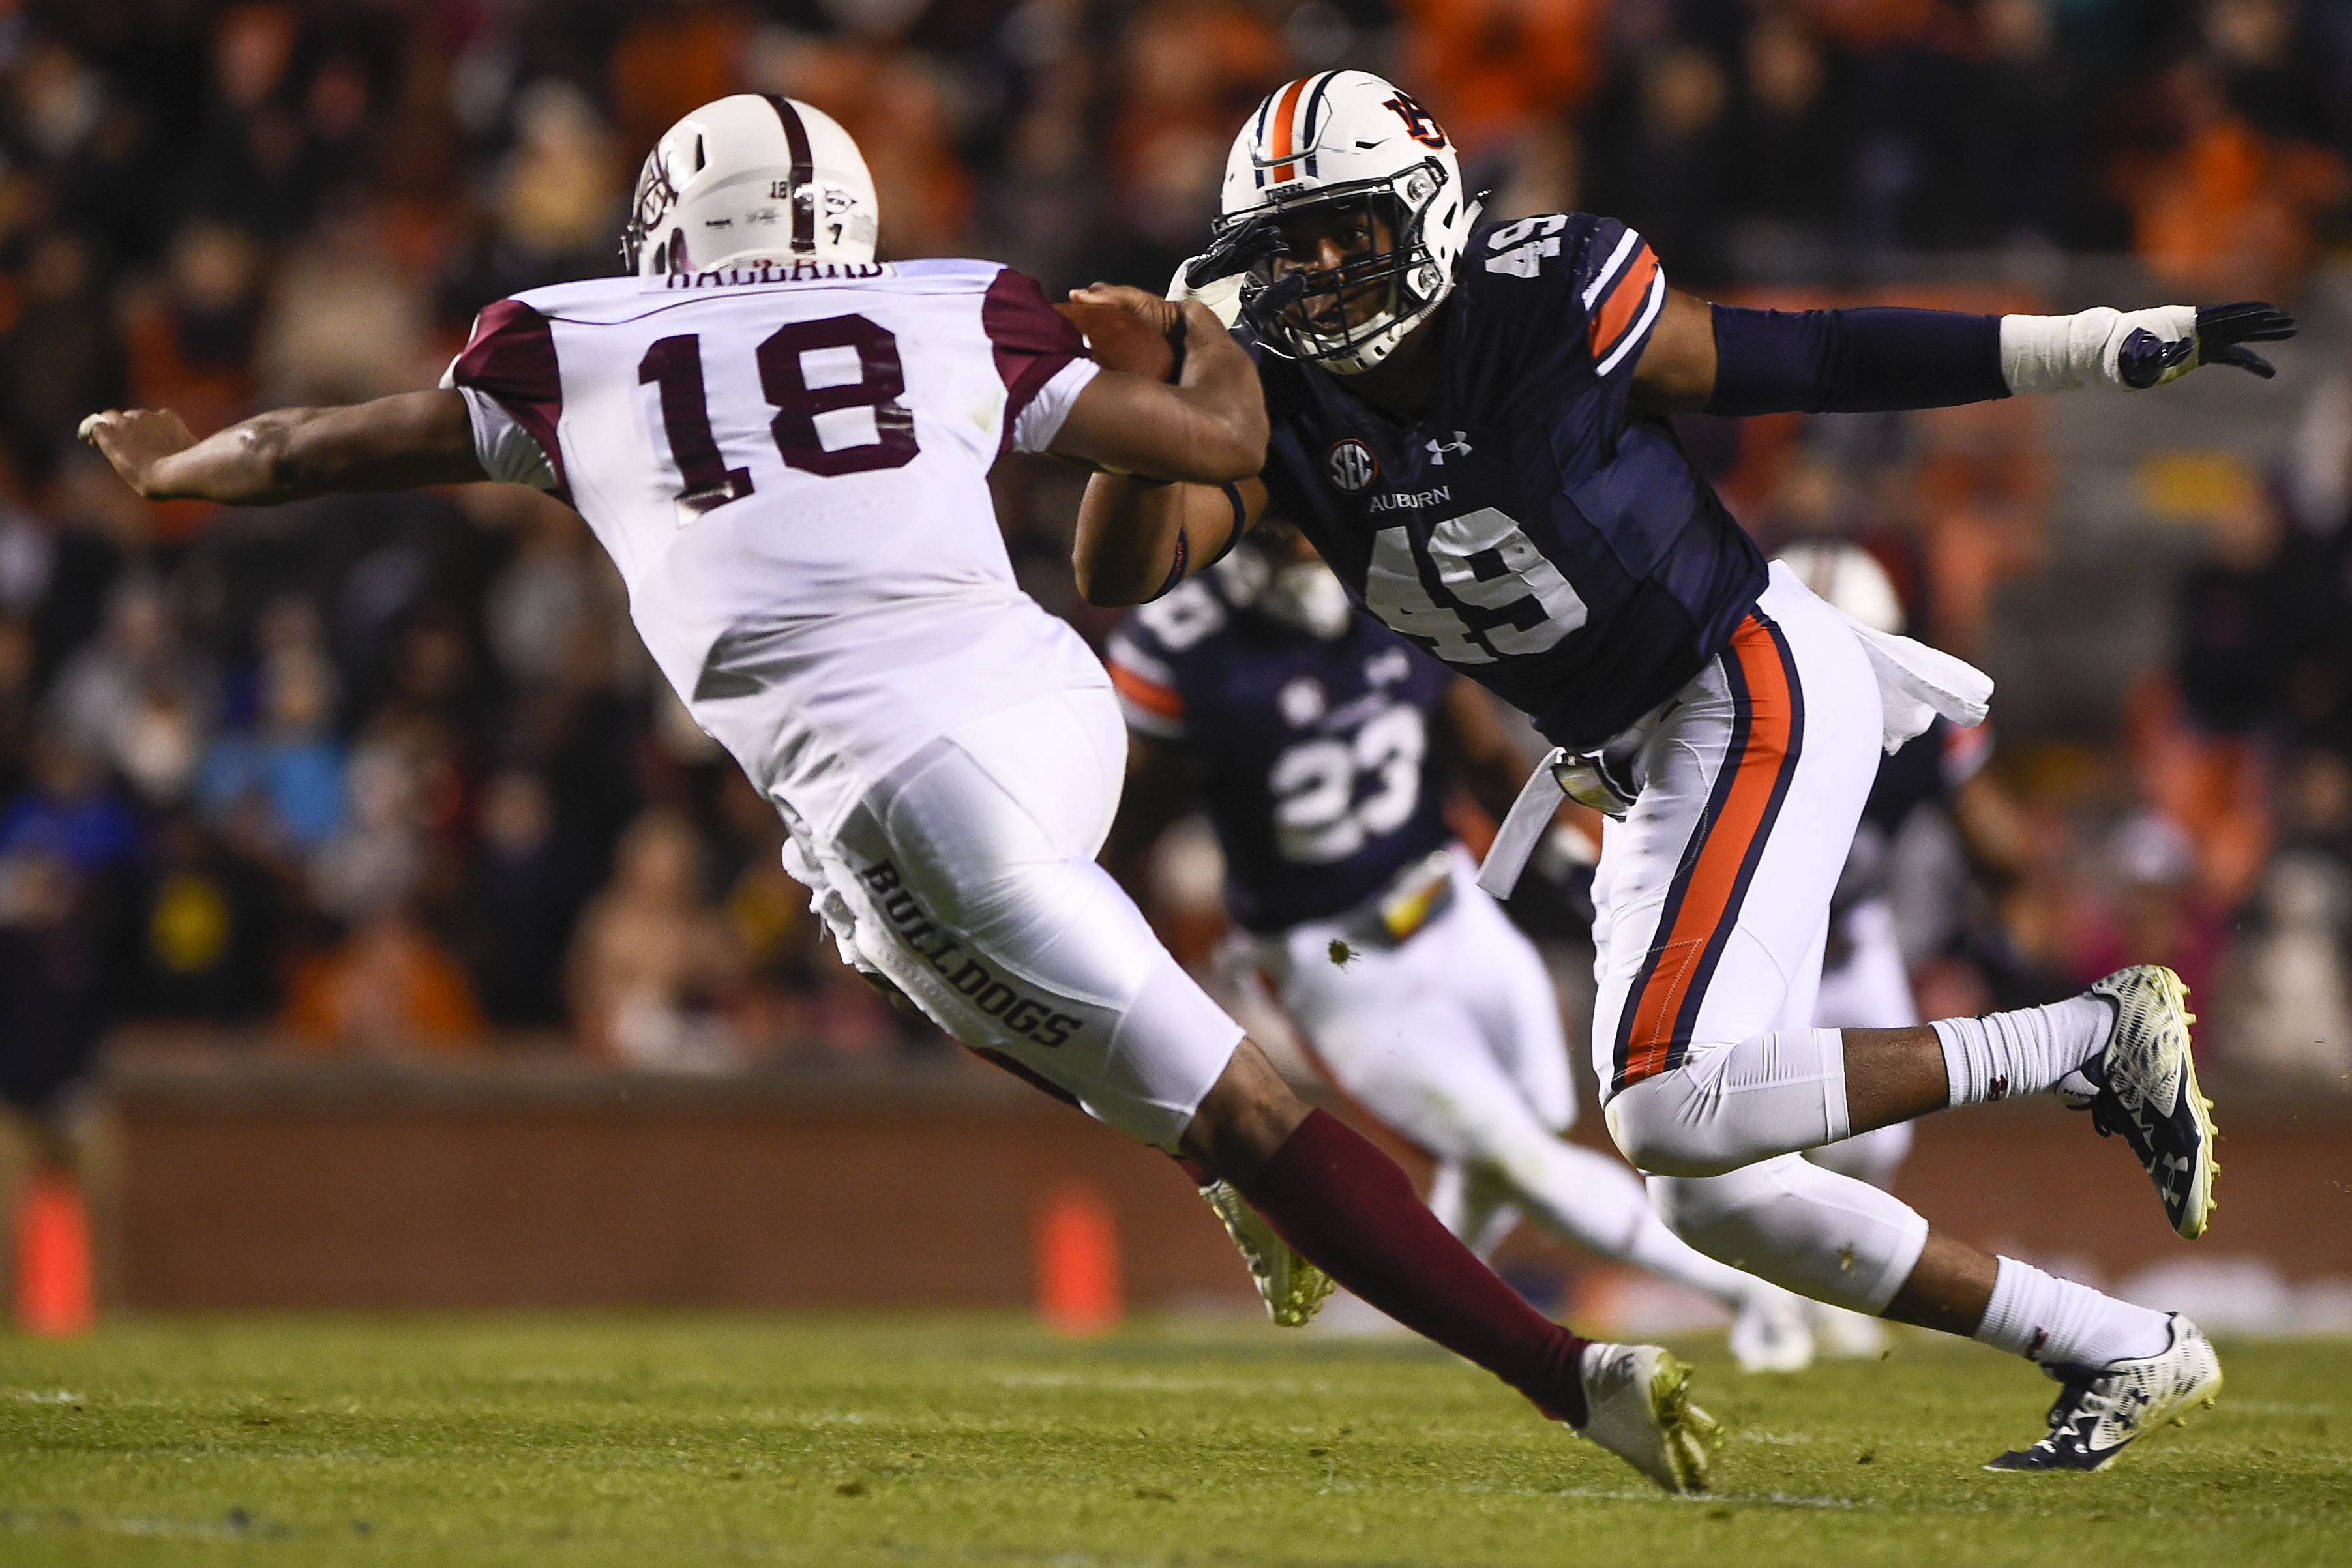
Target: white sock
2021,1053
2043,1318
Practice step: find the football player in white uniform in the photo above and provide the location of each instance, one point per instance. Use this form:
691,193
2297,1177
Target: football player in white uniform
1323,750
1468,421
783,444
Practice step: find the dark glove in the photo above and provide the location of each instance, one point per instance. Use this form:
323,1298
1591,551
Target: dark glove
2146,360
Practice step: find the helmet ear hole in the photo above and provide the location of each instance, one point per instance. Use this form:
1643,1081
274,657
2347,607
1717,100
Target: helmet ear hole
676,258
700,158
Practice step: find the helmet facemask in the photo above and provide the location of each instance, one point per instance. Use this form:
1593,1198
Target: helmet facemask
655,195
1305,312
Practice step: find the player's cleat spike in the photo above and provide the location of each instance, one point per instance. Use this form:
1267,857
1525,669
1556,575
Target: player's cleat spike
1772,1332
2103,1410
2147,1091
1294,1288
1637,1401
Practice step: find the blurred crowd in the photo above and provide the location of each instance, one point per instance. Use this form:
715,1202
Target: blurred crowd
394,773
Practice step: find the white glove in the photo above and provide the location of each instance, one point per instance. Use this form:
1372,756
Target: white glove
1223,297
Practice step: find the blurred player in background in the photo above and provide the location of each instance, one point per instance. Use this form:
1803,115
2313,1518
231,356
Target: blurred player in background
783,444
1468,422
1323,746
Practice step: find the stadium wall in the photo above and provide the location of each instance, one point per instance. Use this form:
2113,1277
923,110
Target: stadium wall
269,1185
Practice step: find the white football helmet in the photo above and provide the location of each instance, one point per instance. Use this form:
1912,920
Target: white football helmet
748,178
1324,140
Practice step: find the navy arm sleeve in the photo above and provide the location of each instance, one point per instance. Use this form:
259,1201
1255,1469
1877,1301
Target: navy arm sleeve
1873,361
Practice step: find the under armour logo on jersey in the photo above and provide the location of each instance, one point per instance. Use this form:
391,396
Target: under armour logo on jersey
1459,446
1351,465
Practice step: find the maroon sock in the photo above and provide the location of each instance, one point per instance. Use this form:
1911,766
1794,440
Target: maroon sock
1349,1210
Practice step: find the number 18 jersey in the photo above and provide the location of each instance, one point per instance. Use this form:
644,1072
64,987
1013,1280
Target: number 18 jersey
1524,527
789,467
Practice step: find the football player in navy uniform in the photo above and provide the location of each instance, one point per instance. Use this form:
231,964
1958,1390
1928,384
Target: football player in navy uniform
1467,419
1323,748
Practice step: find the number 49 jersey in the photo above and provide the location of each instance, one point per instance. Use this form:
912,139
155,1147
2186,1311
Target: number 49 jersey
1314,757
1525,527
789,467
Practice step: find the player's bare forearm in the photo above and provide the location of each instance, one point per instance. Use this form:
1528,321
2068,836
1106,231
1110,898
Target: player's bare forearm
1208,428
1126,548
293,453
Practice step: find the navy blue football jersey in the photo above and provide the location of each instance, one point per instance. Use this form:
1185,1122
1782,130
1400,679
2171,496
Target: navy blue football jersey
1314,757
1523,528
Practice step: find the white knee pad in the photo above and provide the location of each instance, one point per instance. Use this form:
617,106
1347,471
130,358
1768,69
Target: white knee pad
1802,1228
1731,1105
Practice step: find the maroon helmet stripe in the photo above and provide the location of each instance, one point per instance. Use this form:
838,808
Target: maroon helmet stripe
803,173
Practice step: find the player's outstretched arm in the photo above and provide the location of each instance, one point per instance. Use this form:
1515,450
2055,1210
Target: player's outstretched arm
1208,427
1139,538
292,453
1723,359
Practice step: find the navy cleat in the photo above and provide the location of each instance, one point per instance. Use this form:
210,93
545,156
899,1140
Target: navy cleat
2143,1089
2103,1410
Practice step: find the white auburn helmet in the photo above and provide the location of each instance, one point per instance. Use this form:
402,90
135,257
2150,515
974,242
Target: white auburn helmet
751,177
1329,139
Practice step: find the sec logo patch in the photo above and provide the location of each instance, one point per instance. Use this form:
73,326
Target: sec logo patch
1351,465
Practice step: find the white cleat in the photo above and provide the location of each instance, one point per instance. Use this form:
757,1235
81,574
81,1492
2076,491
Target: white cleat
1770,1331
1294,1289
2144,1088
2103,1410
1637,1401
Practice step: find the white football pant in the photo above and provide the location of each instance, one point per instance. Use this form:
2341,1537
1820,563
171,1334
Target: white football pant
1712,900
966,877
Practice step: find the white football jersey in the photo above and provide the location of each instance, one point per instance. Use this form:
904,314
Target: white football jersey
788,465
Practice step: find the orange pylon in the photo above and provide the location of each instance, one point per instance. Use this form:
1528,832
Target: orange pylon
55,1296
1078,1290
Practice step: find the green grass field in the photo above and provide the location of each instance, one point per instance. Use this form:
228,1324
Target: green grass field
655,1440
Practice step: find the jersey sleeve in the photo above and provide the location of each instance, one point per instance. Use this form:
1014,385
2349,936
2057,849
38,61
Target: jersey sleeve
514,394
1621,288
1601,278
1040,356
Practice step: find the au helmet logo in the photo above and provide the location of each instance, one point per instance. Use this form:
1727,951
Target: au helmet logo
1351,465
1419,123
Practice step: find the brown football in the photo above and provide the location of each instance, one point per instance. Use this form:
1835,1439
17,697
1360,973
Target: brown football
1120,340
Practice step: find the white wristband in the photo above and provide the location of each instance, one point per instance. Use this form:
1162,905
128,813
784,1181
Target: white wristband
2058,353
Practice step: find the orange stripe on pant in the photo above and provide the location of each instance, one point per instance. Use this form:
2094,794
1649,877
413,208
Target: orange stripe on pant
1705,899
